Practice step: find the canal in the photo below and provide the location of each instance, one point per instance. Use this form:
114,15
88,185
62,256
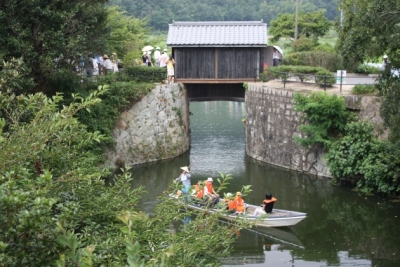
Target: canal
343,227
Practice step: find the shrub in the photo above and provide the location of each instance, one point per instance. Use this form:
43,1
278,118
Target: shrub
375,163
324,48
328,60
304,44
366,69
303,73
325,117
366,89
146,74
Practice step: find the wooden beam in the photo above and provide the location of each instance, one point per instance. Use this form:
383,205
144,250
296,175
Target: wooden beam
216,63
209,81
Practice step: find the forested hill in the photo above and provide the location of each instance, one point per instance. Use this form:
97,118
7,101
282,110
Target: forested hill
160,13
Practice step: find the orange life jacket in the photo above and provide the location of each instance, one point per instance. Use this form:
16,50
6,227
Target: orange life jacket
239,204
199,191
209,187
231,204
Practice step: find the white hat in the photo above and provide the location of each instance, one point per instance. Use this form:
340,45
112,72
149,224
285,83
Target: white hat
186,169
385,56
157,48
165,49
209,179
229,194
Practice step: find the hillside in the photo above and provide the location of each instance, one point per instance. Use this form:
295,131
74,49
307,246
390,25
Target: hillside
160,13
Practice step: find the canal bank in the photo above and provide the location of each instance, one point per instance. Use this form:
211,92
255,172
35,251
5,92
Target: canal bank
272,123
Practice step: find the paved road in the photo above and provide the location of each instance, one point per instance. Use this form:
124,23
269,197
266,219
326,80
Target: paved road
353,80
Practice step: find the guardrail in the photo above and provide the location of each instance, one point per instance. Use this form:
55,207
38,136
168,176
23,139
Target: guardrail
322,80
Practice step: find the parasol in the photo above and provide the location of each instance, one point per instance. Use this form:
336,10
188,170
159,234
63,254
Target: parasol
147,48
279,49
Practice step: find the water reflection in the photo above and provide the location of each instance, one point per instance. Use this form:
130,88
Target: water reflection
343,228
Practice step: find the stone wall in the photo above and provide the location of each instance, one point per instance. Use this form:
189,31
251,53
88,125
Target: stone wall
155,128
272,123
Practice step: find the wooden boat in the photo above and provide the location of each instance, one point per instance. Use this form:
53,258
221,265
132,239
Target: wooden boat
277,218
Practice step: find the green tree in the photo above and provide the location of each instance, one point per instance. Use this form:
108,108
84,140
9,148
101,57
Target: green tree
48,34
310,25
127,34
369,29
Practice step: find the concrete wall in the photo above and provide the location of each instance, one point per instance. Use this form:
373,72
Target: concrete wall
155,128
272,123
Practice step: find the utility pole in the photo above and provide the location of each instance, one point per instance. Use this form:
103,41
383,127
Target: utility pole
296,19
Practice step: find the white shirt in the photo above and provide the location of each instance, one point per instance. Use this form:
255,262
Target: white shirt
163,60
157,54
108,64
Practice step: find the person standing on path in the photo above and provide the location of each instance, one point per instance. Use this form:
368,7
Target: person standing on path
276,58
163,59
170,68
157,55
108,66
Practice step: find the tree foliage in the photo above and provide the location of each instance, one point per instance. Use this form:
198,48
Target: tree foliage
374,163
369,29
160,13
127,35
48,34
325,118
310,25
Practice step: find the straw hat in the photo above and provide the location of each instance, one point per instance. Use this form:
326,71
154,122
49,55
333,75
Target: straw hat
209,179
105,56
238,193
165,49
186,169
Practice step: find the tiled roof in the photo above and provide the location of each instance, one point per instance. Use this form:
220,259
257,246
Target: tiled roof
218,33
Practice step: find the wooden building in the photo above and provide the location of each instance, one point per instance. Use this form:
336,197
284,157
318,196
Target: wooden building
219,52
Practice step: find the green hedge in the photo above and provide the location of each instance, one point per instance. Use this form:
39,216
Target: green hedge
320,75
366,69
146,74
328,60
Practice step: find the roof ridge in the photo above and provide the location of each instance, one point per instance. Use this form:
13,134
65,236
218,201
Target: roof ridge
215,23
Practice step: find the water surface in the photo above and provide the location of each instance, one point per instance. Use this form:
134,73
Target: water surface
343,227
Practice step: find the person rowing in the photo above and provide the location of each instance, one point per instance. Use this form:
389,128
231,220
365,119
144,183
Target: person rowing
185,179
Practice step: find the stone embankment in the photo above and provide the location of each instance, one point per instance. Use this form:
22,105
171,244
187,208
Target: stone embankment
155,128
272,123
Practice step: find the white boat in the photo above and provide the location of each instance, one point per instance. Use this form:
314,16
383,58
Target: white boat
277,218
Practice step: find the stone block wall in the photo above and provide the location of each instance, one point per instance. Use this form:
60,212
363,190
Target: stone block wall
155,128
271,124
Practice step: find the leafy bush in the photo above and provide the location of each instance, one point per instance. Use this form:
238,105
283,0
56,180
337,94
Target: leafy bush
375,163
366,69
324,117
303,73
324,48
328,60
304,44
146,74
364,89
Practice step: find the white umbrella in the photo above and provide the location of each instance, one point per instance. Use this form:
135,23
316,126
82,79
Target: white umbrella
279,49
147,48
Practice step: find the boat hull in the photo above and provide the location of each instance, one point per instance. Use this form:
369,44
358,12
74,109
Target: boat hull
278,217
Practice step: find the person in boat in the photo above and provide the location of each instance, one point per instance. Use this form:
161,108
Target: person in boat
239,203
185,179
230,204
198,191
210,195
266,206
